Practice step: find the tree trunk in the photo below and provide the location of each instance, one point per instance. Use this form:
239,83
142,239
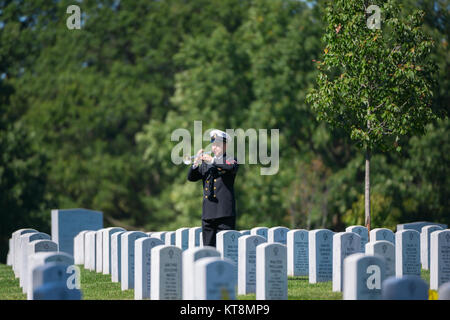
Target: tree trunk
367,191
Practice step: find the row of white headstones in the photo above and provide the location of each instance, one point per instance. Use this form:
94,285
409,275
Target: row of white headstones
175,264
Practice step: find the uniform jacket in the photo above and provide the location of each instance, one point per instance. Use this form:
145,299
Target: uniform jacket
218,186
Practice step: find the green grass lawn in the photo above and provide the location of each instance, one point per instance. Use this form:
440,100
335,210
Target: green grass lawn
97,286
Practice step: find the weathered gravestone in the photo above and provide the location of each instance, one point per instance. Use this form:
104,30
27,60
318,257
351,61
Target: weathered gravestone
404,288
170,238
166,271
190,256
78,247
90,246
320,255
344,245
362,232
142,262
297,253
227,243
418,225
277,234
271,271
444,291
259,231
215,279
386,250
66,279
67,223
25,240
440,258
33,248
247,263
382,234
194,237
182,238
425,245
407,253
363,276
116,246
107,234
43,258
15,246
128,240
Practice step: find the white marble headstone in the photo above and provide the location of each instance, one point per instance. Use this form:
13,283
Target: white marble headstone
425,245
362,232
363,277
34,247
259,231
15,246
90,246
116,246
271,271
189,257
297,252
277,234
78,247
386,250
128,240
166,273
245,232
439,258
215,279
182,238
227,244
194,237
382,234
142,261
404,288
247,263
9,257
107,234
26,239
320,255
99,251
344,245
170,238
42,258
407,253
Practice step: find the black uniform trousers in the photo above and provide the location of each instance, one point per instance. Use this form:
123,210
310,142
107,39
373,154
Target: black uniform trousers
210,227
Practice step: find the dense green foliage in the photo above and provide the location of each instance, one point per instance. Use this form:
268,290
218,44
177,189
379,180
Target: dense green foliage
86,116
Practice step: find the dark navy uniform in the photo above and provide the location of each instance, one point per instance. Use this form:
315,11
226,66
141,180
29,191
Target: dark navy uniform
219,204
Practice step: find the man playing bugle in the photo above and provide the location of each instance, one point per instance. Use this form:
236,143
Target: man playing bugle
217,174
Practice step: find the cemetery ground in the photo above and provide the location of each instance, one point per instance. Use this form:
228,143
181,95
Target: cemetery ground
96,286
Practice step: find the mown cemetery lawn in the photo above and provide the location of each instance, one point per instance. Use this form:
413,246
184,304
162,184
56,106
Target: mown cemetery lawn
97,286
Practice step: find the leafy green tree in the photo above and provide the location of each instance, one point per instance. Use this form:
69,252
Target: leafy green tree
375,83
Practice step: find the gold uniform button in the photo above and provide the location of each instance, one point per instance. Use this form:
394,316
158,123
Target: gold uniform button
215,180
215,188
206,197
207,181
206,189
214,196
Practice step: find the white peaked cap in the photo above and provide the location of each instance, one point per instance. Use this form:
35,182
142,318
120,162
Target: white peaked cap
219,134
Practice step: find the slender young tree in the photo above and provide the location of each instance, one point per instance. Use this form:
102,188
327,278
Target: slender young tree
376,79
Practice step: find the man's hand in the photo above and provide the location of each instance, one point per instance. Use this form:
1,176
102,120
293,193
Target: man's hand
198,157
207,158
